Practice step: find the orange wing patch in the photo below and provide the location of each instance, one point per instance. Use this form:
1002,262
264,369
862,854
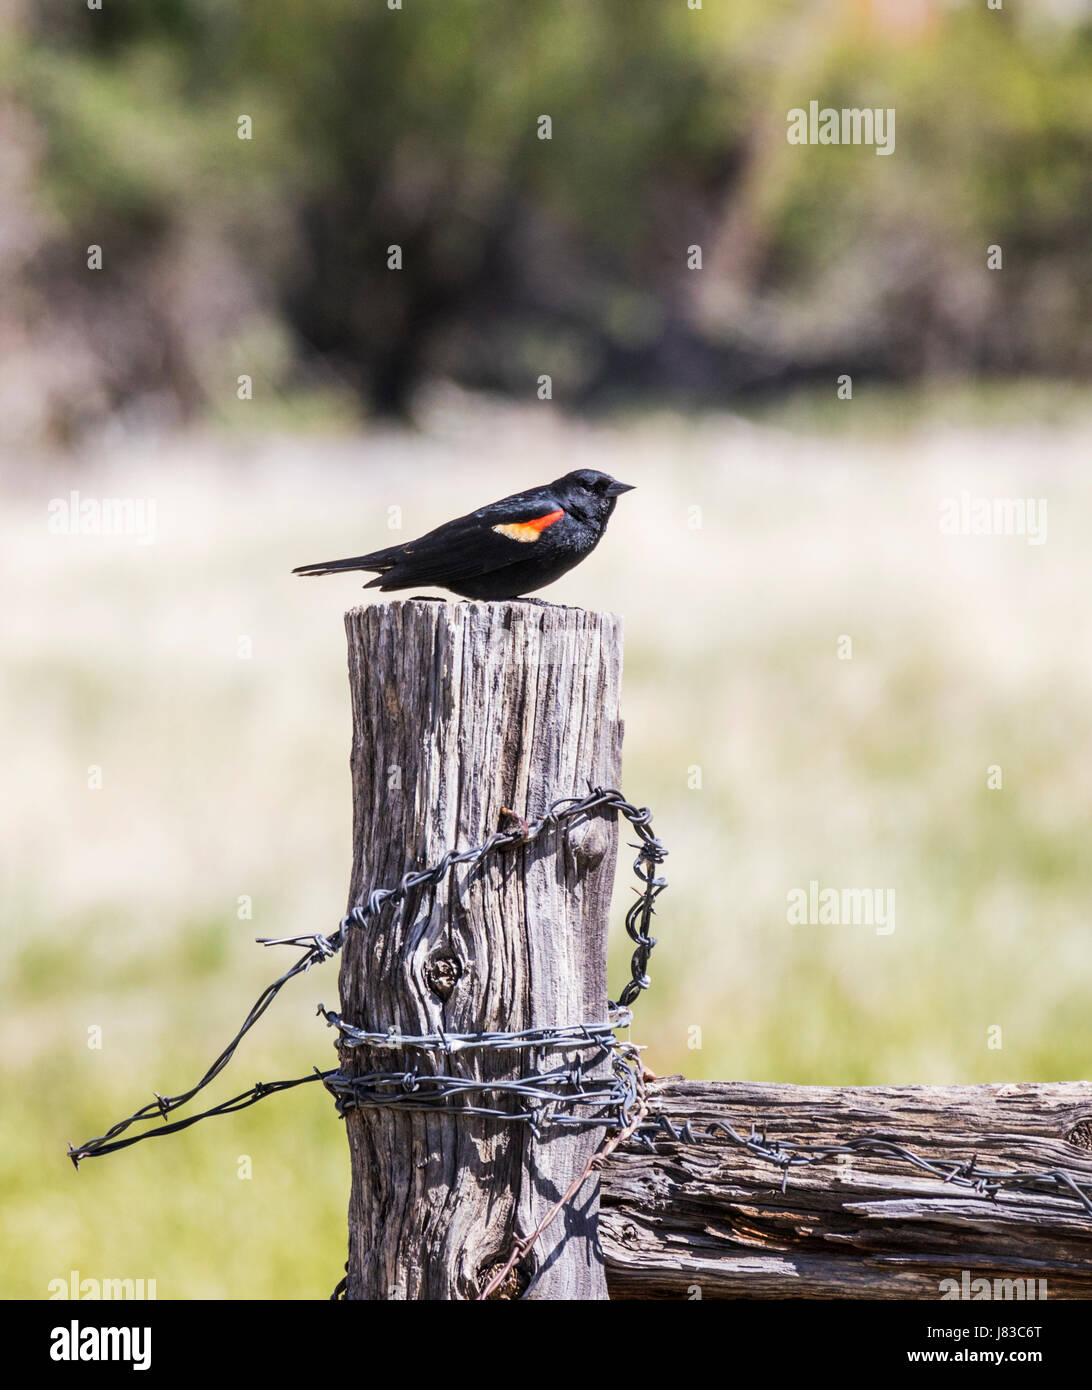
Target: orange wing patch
528,530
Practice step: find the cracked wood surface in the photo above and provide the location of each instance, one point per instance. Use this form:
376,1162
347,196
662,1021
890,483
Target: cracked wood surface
711,1217
460,710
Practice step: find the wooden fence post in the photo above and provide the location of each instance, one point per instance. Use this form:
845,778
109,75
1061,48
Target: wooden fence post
460,711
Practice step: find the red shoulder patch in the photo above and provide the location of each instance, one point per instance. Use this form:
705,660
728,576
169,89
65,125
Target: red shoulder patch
528,530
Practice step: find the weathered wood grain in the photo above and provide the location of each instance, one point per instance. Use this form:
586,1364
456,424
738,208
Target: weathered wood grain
460,710
710,1218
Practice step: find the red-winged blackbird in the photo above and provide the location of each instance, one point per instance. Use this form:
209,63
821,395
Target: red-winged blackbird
501,551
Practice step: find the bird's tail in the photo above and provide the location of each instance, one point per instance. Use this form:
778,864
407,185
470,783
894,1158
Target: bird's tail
378,560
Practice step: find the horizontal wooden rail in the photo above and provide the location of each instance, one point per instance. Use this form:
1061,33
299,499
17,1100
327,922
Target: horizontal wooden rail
710,1219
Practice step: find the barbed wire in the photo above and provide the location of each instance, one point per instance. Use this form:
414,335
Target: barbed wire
540,1099
551,1097
789,1154
543,1097
599,1084
571,1035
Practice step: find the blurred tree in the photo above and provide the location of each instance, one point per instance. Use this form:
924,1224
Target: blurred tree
521,255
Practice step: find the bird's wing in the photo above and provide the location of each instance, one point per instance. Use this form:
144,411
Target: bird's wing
485,540
481,541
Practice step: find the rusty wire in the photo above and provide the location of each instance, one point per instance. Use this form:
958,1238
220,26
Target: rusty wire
627,1127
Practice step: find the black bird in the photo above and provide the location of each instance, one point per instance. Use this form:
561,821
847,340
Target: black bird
501,551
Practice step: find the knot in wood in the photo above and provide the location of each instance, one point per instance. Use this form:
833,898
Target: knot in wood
1081,1134
442,974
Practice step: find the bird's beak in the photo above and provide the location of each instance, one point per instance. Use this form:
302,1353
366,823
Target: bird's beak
616,489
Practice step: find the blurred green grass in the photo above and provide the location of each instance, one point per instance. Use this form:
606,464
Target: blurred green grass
226,777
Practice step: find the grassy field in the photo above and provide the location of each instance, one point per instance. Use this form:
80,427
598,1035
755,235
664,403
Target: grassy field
750,550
